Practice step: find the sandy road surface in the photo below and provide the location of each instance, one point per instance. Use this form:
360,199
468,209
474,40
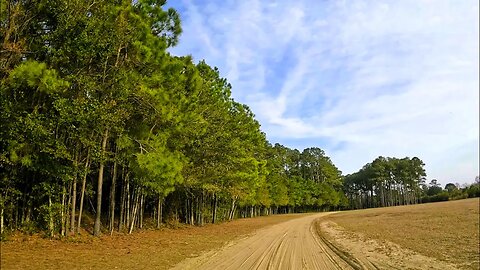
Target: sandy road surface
290,245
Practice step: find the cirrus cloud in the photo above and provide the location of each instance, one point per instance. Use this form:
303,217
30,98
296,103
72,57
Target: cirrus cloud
358,79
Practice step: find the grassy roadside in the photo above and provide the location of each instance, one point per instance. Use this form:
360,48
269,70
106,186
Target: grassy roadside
448,231
149,249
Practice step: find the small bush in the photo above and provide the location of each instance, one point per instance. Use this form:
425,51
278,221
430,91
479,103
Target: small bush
473,191
440,197
29,228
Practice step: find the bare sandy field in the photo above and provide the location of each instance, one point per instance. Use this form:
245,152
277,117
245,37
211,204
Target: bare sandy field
446,231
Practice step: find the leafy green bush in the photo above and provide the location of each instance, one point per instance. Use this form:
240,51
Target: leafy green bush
440,197
29,228
473,191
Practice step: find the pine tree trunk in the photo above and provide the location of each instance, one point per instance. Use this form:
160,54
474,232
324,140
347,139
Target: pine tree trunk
28,214
112,198
186,210
127,214
97,225
67,207
50,216
62,214
176,214
214,214
141,211
134,214
198,209
159,211
82,193
2,205
390,195
382,195
74,201
16,214
122,201
232,209
202,207
192,221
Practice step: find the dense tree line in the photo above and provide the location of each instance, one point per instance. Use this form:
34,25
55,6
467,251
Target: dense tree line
433,192
302,181
99,120
386,182
390,181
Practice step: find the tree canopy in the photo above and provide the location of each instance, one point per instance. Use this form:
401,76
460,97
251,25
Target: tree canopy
97,117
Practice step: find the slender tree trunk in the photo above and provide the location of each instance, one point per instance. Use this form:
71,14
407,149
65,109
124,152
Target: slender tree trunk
127,215
74,201
74,196
186,210
67,207
214,214
232,209
382,195
176,214
97,225
197,211
390,195
62,210
1,221
82,194
192,211
122,201
112,198
159,211
141,211
135,210
372,203
28,214
11,215
2,205
16,214
131,206
50,216
202,207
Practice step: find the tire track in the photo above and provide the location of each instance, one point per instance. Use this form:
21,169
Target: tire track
294,244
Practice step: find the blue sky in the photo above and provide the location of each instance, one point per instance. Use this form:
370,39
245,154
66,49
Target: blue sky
358,79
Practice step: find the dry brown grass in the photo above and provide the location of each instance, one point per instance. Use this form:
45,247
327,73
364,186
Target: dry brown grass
448,231
149,249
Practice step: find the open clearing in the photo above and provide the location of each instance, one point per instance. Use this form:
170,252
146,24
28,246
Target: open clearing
447,231
429,236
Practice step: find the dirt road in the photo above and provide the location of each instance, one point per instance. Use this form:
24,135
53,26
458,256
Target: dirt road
298,244
293,244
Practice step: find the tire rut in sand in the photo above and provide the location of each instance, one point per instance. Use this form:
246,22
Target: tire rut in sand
294,244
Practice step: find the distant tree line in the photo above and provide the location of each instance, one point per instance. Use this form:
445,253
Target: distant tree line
433,192
392,181
386,182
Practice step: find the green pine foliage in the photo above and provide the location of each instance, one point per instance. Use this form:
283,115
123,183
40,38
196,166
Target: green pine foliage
95,112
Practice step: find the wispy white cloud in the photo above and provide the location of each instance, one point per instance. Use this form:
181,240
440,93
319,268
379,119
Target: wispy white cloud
362,78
